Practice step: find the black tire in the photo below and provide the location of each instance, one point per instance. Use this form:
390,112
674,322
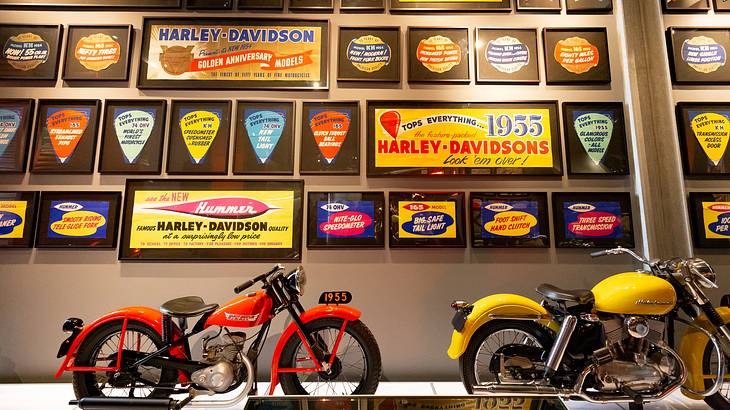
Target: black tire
717,401
85,383
468,359
368,383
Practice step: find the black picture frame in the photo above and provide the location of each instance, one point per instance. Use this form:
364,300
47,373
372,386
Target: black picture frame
91,4
331,157
181,160
685,6
81,43
369,54
322,6
132,137
180,56
538,6
686,59
19,39
436,5
501,54
707,212
589,6
614,205
721,5
261,124
255,224
87,207
595,138
16,208
362,6
406,113
711,158
209,4
363,225
519,208
437,205
60,151
16,124
591,40
449,42
271,5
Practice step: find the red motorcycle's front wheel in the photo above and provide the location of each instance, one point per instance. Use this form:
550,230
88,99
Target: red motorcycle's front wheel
355,370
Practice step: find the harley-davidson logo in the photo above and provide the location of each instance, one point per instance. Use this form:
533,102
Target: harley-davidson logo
241,318
221,208
176,60
653,302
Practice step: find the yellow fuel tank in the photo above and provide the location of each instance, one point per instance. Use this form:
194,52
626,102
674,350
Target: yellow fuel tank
634,293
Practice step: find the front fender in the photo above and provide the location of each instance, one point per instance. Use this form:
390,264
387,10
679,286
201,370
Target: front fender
504,304
692,348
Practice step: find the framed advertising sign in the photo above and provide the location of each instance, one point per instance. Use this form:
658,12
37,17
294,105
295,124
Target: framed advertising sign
199,137
330,138
17,219
216,53
507,56
685,6
426,219
721,5
699,55
16,121
346,220
451,5
449,138
588,6
539,6
593,219
595,138
438,54
29,52
209,4
704,132
98,53
65,136
321,6
362,5
509,220
369,54
264,142
269,5
710,218
208,220
93,4
78,220
132,137
576,55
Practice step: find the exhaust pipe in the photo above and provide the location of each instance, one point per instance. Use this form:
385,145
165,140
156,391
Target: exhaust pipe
520,390
121,403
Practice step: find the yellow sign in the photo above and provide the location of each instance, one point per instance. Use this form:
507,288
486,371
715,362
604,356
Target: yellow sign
511,224
212,219
426,219
716,217
463,137
12,219
712,130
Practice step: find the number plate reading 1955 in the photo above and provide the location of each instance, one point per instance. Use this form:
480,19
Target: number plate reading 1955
335,298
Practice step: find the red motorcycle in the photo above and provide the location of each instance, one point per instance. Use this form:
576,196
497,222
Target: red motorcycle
139,356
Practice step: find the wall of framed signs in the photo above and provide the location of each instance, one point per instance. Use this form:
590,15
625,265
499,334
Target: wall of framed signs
353,149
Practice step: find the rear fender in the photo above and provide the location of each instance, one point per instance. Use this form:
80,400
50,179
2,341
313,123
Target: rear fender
483,311
692,349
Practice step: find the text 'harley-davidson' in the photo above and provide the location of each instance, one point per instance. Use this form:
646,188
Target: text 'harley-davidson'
613,343
139,356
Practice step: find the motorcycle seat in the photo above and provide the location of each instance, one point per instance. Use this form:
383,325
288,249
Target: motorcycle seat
581,296
188,306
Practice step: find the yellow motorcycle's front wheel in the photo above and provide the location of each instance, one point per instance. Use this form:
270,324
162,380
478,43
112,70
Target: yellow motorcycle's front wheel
721,399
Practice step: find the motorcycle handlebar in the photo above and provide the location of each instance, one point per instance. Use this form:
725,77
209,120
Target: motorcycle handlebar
599,254
245,285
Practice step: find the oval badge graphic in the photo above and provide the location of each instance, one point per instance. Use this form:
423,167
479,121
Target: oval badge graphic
416,207
68,207
335,207
720,207
429,223
8,222
221,208
499,207
581,207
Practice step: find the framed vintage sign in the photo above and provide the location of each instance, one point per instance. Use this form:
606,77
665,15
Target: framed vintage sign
710,219
199,137
216,53
507,56
451,5
509,220
362,5
17,219
704,132
438,54
94,4
209,220
132,137
269,5
685,6
369,54
588,6
330,138
449,138
721,5
539,6
98,53
699,55
576,56
30,52
16,122
321,6
65,136
593,219
209,4
78,220
346,220
264,142
426,219
595,138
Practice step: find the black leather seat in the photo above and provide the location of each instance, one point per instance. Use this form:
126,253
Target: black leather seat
581,296
187,306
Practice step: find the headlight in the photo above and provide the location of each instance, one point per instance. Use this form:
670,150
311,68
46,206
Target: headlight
297,280
703,272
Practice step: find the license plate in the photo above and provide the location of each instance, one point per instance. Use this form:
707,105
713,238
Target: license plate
335,298
459,320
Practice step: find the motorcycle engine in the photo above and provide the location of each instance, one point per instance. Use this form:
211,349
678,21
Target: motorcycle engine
225,359
632,359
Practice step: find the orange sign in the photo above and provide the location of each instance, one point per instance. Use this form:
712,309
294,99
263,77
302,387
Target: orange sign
576,55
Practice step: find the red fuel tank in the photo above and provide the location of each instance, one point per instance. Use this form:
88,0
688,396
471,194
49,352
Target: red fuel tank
252,309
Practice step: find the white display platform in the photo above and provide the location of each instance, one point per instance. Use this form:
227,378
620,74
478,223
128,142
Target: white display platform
56,396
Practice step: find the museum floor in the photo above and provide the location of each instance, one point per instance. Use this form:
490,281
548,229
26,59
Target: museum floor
55,396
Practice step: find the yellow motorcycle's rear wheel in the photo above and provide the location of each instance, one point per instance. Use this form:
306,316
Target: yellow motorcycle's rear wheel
721,399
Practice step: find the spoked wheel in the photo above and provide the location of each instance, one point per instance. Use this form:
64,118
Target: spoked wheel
354,370
721,399
475,362
101,349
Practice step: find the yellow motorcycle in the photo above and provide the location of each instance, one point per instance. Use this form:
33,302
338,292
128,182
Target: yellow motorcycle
611,344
